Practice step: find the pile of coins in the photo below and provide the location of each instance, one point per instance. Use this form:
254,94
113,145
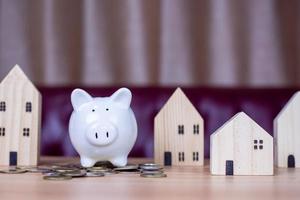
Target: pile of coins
151,170
69,171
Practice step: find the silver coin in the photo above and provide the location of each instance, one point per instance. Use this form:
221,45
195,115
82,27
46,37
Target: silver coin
38,170
52,173
13,171
94,174
151,167
111,172
64,170
105,164
153,175
126,168
80,173
57,177
99,169
152,172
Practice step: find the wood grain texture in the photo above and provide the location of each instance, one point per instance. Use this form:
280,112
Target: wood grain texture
235,141
183,182
16,90
178,111
287,133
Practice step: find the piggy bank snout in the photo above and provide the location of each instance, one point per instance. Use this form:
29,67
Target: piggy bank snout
101,134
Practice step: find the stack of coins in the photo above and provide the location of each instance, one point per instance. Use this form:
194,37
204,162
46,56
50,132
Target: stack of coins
63,173
152,170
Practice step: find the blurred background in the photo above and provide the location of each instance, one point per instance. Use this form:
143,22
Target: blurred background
222,43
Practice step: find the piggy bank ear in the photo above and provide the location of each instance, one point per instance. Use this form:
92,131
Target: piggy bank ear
122,97
80,97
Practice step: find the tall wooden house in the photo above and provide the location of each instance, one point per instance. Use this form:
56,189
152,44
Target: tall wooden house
287,134
178,133
241,147
20,115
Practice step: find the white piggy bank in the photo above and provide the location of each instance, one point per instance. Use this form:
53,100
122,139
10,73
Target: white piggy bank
102,128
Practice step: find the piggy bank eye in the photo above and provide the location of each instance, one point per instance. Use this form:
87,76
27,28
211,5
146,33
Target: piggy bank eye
107,109
93,110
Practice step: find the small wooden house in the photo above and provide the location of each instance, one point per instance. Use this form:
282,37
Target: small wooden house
241,147
178,133
20,115
287,134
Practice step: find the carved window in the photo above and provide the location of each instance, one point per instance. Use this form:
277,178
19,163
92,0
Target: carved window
258,144
181,156
180,129
196,129
26,132
2,106
2,131
28,107
195,156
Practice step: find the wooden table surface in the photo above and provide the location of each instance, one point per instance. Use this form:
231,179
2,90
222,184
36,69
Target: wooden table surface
181,183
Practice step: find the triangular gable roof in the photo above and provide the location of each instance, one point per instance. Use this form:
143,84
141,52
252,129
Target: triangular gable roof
16,73
294,98
236,117
176,96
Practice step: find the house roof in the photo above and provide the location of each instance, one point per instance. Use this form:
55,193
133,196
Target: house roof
294,98
179,96
240,116
17,74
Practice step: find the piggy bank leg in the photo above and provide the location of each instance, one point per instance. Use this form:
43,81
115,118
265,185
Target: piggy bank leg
119,161
87,162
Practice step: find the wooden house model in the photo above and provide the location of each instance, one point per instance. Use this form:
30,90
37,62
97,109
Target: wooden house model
178,133
20,115
241,147
287,134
